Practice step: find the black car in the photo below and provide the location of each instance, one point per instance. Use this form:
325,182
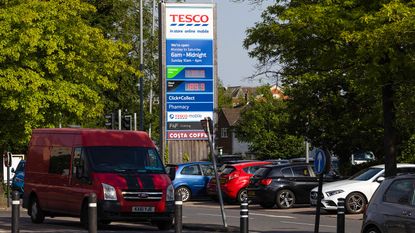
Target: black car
283,185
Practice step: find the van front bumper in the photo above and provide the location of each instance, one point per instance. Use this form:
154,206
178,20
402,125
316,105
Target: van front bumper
111,210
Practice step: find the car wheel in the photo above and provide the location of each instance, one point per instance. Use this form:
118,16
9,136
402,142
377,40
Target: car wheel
285,199
355,203
371,230
242,195
36,212
184,192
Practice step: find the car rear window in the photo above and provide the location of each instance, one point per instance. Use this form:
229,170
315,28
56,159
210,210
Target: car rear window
228,170
262,172
170,167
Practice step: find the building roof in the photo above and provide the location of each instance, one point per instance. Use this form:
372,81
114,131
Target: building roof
232,115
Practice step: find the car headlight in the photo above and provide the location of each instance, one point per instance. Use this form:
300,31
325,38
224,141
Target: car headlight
170,193
109,192
334,192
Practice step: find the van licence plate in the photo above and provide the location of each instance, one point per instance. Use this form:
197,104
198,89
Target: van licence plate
143,209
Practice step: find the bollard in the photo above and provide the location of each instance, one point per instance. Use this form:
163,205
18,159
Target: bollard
178,204
244,216
340,215
92,213
15,211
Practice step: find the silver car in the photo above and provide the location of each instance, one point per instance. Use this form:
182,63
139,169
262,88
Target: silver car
392,207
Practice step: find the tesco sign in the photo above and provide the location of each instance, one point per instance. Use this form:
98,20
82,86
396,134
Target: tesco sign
188,18
189,21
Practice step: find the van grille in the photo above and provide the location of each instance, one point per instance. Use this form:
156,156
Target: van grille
142,195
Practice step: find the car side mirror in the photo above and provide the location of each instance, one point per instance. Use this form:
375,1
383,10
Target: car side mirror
380,179
172,174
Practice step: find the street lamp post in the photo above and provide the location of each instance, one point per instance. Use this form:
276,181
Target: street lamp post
141,68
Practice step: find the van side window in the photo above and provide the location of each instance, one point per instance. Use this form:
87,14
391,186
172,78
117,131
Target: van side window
60,158
79,164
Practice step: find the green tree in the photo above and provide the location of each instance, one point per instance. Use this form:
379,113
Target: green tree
120,20
224,97
55,67
369,44
263,126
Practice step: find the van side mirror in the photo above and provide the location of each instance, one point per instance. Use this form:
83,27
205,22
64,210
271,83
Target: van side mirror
172,174
12,170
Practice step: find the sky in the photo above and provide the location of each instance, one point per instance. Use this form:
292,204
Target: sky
234,64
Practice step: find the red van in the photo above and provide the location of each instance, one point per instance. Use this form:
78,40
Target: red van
123,169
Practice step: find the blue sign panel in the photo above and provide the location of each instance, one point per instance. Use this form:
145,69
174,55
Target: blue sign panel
320,161
192,107
184,98
189,52
190,86
189,73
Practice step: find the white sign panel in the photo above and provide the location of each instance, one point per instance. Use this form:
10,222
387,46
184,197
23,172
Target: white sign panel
189,21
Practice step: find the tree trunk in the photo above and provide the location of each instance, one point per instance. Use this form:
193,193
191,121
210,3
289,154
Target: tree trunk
389,140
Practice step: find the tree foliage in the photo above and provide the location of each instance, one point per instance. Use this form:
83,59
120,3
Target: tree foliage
120,20
55,67
357,57
263,125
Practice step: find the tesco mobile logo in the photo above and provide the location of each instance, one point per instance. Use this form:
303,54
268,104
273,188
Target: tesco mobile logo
189,20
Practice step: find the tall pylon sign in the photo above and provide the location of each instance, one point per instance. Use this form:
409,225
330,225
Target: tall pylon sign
188,73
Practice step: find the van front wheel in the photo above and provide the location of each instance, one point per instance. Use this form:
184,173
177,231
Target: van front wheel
164,225
36,213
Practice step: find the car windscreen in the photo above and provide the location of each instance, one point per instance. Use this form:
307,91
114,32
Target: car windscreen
366,174
228,170
124,159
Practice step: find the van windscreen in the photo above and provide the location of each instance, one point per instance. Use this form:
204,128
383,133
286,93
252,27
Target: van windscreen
124,159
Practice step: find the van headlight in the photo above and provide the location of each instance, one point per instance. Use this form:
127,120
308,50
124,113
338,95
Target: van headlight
109,192
170,193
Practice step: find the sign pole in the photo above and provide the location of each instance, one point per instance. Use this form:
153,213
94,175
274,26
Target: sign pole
320,167
208,126
318,207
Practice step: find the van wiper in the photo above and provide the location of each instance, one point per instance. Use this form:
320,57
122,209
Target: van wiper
129,170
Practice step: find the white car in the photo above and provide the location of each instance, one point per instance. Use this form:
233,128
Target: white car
357,190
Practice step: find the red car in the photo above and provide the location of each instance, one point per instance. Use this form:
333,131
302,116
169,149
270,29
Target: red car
234,180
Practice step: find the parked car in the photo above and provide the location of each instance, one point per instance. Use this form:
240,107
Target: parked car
190,179
283,185
18,178
278,161
360,157
392,207
234,180
357,190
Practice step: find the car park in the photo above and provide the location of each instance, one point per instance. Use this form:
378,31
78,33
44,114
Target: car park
357,190
190,179
392,207
234,180
18,178
283,185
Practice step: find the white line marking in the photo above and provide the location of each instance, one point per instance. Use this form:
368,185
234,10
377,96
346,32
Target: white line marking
271,216
306,224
